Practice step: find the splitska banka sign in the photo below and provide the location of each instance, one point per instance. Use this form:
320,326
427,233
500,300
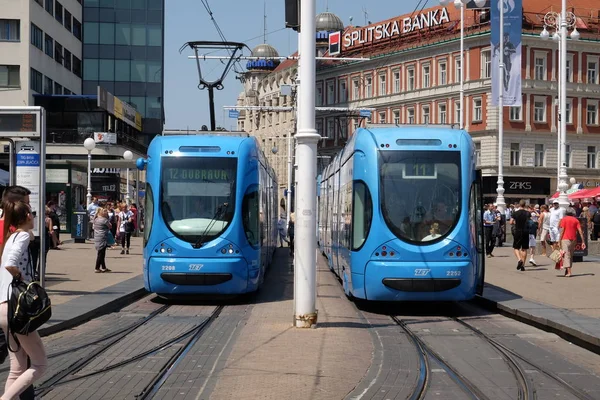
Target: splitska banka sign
393,28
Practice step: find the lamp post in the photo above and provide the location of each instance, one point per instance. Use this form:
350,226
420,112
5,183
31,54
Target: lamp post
561,23
460,4
89,144
128,155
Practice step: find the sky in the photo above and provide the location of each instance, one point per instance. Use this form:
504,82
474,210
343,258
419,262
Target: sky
186,107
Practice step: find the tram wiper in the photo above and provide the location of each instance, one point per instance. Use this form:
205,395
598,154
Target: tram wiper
218,214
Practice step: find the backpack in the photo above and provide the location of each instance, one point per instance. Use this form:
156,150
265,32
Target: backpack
532,227
596,218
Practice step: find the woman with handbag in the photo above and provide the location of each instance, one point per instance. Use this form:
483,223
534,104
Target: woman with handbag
101,238
16,265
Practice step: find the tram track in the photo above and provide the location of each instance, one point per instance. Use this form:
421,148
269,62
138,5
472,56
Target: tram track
68,374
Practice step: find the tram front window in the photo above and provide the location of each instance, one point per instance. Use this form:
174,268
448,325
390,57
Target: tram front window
420,193
198,196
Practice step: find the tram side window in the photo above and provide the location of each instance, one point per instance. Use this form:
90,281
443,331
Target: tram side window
362,215
149,213
250,215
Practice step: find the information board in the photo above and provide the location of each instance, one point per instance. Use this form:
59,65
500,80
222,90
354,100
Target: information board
28,175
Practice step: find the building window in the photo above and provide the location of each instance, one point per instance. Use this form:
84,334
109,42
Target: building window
36,81
569,68
478,153
331,92
49,46
10,30
539,110
76,28
477,112
410,115
343,91
58,53
591,157
515,154
397,117
382,117
48,85
539,155
319,96
425,115
368,87
50,6
382,85
486,64
37,37
77,66
457,111
516,114
67,92
396,81
410,79
592,72
330,128
457,70
319,127
68,21
442,113
67,59
443,73
9,76
568,156
355,89
592,113
426,80
58,89
568,113
58,12
540,68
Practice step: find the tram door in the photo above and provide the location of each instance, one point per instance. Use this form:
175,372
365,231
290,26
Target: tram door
477,194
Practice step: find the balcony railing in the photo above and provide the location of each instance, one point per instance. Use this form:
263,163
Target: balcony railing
74,136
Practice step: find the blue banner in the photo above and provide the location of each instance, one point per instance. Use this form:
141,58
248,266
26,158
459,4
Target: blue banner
511,57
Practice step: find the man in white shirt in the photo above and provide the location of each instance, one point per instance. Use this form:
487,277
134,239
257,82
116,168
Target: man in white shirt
556,214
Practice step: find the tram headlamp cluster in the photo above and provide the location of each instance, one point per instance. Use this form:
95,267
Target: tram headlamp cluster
163,249
458,251
386,251
230,249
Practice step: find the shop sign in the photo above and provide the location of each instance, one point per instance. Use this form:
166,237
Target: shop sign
119,108
396,27
57,176
105,137
103,171
518,185
78,178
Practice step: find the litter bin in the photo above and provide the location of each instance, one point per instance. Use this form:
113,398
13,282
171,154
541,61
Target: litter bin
79,227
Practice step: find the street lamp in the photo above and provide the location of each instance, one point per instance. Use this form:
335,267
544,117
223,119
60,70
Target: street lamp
461,4
89,144
561,23
128,155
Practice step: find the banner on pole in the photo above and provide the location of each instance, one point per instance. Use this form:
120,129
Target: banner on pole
511,79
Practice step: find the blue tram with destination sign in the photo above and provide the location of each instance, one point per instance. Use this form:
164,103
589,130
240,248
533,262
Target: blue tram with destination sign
400,215
210,214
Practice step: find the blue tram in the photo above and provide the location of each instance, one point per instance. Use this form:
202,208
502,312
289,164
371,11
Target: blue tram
400,215
210,214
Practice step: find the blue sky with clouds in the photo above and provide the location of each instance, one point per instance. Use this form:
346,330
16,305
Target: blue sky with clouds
240,20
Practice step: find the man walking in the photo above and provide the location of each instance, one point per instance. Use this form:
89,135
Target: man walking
520,234
281,229
569,227
489,219
556,214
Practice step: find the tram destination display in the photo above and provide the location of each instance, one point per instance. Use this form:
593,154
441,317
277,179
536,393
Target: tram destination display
18,123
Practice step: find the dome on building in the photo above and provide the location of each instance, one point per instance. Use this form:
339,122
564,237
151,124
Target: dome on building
329,22
264,50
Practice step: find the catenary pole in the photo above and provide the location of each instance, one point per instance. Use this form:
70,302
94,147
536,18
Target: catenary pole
305,313
500,189
563,199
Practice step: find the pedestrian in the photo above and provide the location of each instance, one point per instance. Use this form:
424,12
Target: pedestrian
556,214
489,219
17,264
520,234
91,210
595,222
290,233
126,227
281,229
544,227
569,227
532,225
101,232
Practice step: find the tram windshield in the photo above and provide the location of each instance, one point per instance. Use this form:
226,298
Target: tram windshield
420,193
198,196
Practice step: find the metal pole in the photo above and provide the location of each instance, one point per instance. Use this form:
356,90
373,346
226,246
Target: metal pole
127,197
500,189
558,129
306,156
42,202
89,179
289,178
211,104
462,66
562,177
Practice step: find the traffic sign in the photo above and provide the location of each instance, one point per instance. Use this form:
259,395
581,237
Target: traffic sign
235,114
365,113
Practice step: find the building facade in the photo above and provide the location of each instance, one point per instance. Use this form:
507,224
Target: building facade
40,49
123,53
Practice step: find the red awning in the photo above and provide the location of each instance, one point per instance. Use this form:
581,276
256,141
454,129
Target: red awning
581,194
